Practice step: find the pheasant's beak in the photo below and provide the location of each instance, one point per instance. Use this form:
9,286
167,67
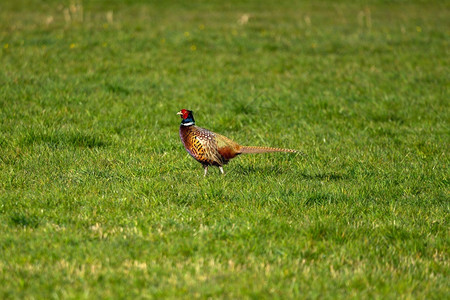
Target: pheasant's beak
179,113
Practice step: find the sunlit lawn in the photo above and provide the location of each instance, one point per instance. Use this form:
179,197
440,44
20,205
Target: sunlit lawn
98,198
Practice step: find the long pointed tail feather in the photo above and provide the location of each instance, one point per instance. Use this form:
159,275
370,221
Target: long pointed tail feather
255,149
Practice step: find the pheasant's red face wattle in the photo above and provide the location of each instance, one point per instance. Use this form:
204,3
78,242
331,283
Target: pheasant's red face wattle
184,113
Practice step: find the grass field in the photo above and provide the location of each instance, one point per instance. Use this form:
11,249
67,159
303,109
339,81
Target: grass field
99,199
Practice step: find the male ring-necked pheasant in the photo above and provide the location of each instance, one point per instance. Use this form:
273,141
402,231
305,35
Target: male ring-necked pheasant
212,149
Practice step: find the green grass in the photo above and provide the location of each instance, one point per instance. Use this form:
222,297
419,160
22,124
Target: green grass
98,198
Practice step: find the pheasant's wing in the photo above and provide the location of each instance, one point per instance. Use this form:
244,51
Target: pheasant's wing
207,147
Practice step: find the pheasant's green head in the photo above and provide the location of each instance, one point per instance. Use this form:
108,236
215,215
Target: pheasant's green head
187,117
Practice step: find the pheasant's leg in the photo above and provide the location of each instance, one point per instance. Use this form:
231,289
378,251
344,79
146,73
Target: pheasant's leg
221,169
206,169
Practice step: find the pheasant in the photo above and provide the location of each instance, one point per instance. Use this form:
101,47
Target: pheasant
212,149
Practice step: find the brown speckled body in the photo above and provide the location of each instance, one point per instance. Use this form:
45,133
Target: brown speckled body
207,147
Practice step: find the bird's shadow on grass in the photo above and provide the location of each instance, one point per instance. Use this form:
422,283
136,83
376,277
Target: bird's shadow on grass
325,176
267,170
276,170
